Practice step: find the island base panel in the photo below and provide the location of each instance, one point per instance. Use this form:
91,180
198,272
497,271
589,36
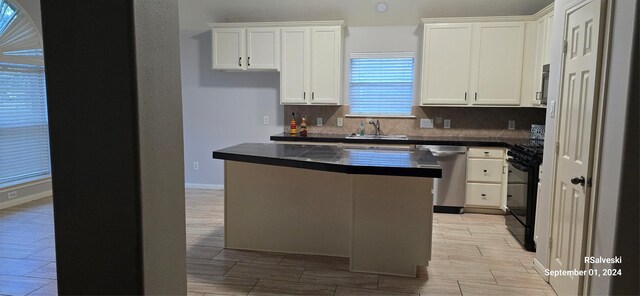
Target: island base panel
289,210
392,224
383,223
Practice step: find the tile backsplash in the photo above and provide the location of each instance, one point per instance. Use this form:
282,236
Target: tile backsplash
465,121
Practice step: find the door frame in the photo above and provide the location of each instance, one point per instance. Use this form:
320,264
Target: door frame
601,66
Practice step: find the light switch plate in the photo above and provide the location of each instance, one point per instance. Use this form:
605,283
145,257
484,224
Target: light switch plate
340,121
265,120
552,109
319,121
426,123
447,123
512,125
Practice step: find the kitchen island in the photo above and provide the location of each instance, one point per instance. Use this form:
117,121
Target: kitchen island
372,205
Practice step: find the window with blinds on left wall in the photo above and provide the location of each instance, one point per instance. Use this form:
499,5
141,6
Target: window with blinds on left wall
24,138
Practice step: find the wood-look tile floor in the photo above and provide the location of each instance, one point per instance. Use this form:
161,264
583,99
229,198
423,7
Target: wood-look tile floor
473,254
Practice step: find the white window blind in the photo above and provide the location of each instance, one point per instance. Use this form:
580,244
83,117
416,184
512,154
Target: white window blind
24,144
24,139
381,85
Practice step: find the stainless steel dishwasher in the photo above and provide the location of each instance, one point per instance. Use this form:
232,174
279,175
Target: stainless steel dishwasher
449,191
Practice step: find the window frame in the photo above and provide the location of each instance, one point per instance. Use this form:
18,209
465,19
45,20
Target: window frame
383,55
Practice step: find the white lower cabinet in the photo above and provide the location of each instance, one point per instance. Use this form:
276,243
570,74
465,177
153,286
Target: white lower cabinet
486,178
484,195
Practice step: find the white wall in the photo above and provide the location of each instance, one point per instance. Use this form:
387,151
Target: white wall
613,136
383,39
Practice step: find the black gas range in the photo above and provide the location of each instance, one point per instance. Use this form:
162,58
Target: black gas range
522,191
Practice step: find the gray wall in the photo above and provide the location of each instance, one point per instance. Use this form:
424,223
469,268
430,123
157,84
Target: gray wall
220,109
609,232
160,144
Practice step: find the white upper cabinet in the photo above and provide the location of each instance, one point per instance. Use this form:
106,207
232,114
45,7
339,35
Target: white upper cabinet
326,56
472,63
543,44
246,48
446,67
311,65
263,48
294,73
228,48
498,57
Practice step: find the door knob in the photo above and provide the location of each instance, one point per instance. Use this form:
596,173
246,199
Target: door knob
578,180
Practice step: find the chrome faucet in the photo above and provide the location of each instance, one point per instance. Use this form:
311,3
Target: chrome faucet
376,125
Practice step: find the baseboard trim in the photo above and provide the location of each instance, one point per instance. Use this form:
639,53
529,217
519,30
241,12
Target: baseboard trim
25,199
203,186
540,269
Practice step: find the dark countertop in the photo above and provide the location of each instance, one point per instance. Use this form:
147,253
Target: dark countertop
367,161
411,140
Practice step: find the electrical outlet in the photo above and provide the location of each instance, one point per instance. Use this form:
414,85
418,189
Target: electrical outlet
12,195
438,120
265,120
426,123
196,165
340,121
512,125
319,121
447,123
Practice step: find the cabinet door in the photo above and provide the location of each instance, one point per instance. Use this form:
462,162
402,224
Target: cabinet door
294,71
326,56
446,64
484,170
498,61
541,45
483,195
228,49
263,48
546,58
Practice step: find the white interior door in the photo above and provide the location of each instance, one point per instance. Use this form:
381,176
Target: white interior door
263,48
228,49
325,65
294,71
499,57
446,66
575,144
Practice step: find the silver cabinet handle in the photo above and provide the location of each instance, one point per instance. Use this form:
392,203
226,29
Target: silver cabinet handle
476,96
465,95
304,95
240,61
313,95
248,61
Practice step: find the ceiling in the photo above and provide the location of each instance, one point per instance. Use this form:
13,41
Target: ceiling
195,13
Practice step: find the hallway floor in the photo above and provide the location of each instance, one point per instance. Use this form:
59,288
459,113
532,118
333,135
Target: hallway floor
473,254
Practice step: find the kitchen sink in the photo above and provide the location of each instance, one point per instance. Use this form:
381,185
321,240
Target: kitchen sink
380,137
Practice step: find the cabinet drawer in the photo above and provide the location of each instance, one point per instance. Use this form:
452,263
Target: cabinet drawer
483,195
484,170
486,152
